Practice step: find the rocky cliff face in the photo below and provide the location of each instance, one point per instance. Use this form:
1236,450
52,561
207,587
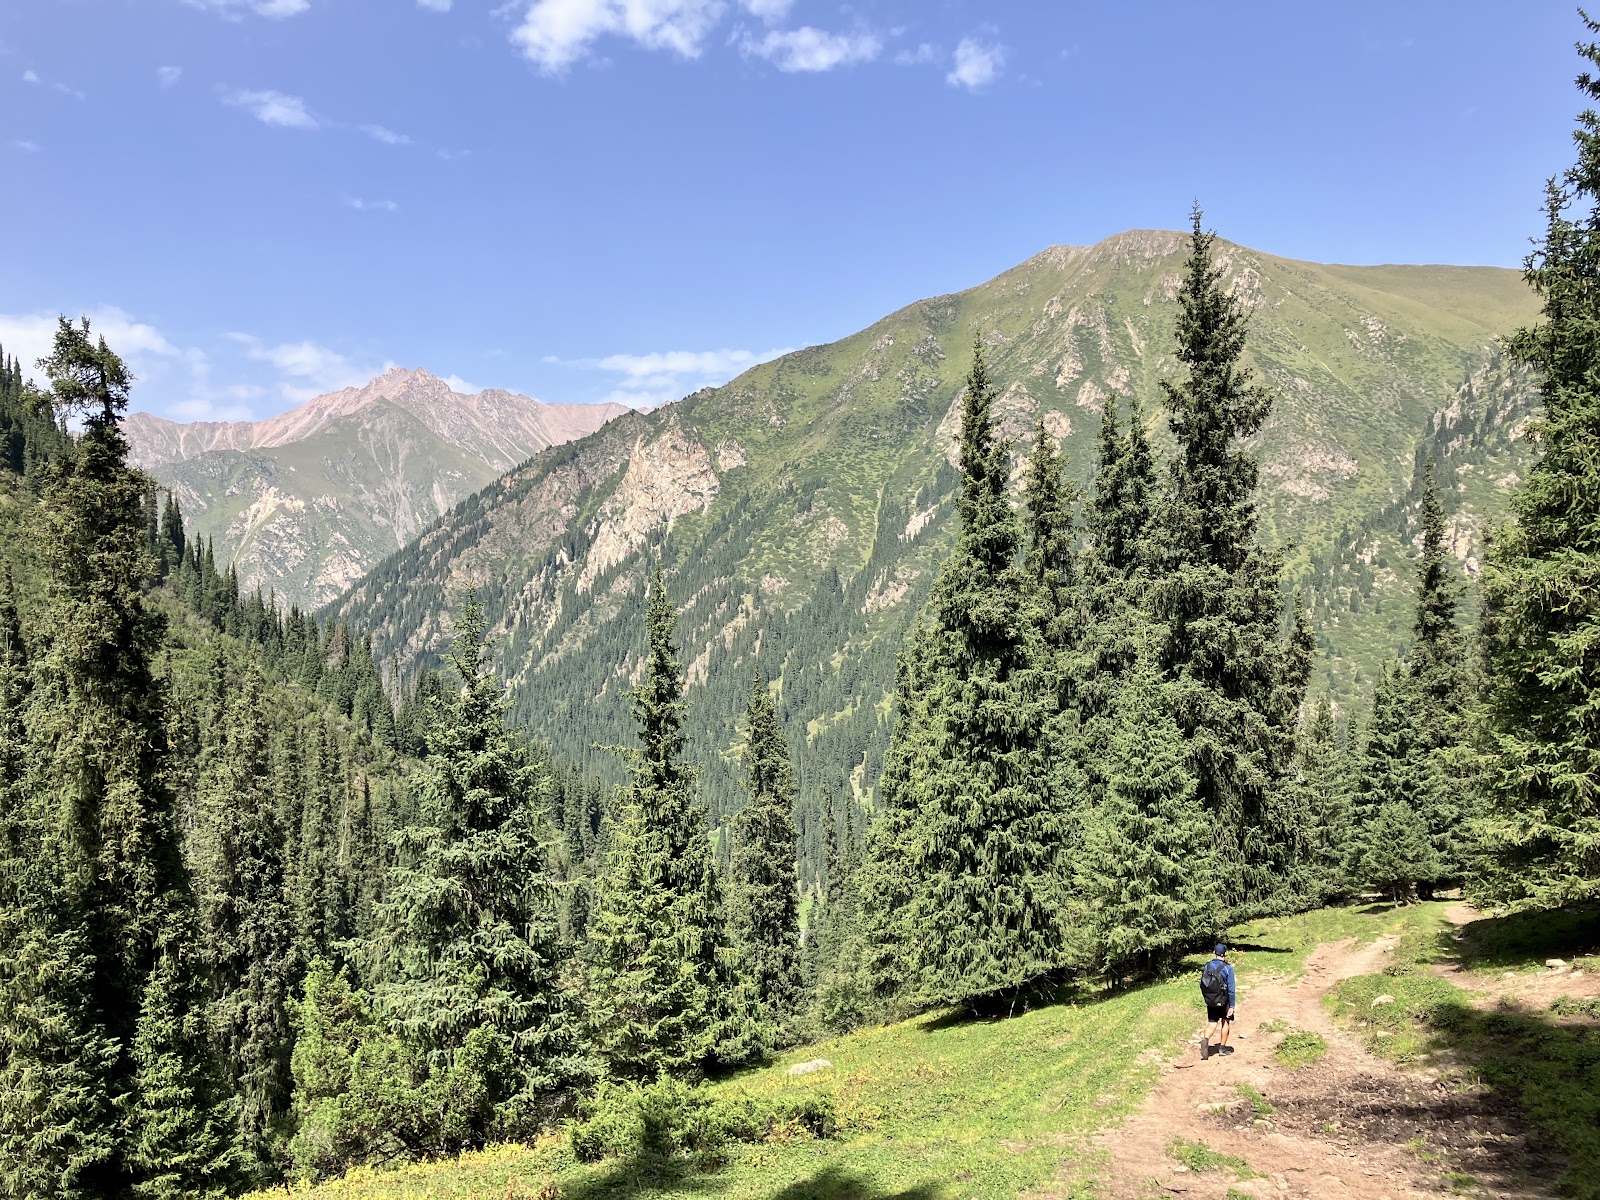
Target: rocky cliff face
306,503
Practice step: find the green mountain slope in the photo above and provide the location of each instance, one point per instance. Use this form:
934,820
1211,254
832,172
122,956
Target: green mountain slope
800,510
309,501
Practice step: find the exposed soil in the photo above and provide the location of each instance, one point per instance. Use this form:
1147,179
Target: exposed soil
1348,1127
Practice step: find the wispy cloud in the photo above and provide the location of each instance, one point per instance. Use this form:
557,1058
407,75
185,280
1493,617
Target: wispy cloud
387,136
30,76
645,380
771,11
235,10
274,108
977,64
180,376
360,205
308,369
925,52
555,34
169,76
811,49
24,145
438,6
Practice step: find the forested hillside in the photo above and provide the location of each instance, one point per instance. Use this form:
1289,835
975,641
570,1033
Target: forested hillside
809,499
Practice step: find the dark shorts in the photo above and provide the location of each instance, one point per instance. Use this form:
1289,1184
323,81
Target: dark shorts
1216,1012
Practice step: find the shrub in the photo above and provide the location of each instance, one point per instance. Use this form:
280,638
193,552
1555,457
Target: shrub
670,1118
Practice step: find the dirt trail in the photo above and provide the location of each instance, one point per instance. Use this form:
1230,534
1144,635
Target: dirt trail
1340,1127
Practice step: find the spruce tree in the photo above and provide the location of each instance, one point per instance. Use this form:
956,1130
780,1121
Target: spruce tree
764,888
1416,738
985,831
1146,879
469,931
113,892
1217,593
657,944
1390,849
241,886
1541,825
1115,566
1051,536
1320,796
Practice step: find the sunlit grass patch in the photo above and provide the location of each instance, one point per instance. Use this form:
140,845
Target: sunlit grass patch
1300,1048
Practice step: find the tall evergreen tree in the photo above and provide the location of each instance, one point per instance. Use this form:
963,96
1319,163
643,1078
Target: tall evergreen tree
108,856
1417,737
1146,880
985,846
469,930
1320,799
1051,536
241,885
1541,827
1217,594
657,943
764,886
1115,565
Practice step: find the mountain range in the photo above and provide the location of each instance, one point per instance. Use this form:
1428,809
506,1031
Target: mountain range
801,510
305,503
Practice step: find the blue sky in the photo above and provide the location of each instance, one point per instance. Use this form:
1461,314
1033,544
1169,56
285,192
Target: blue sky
260,200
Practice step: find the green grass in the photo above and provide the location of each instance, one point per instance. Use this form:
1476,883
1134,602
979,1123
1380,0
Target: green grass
1198,1156
1301,1048
1547,1065
933,1108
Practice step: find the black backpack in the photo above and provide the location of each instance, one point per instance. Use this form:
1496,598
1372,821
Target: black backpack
1214,983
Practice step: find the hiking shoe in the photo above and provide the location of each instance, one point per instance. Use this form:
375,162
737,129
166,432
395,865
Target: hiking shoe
1224,1050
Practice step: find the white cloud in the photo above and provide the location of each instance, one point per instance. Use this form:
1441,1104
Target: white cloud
234,10
169,76
274,108
810,49
977,64
387,136
768,10
361,205
179,377
31,76
438,6
554,34
925,52
650,379
457,384
308,368
24,145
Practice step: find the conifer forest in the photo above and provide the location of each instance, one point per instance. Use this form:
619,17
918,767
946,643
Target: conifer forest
284,896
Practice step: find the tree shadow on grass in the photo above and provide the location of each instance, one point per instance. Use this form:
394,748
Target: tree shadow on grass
835,1183
1497,942
1258,948
644,1176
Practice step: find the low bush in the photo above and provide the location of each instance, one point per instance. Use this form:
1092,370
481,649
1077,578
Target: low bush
669,1119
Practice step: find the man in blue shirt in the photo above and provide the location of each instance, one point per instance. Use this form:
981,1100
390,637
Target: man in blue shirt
1217,989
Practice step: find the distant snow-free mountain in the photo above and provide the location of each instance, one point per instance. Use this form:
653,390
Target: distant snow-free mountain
307,502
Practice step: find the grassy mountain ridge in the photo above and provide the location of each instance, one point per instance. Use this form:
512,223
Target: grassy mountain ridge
807,500
307,502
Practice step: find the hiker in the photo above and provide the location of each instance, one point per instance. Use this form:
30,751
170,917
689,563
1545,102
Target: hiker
1216,988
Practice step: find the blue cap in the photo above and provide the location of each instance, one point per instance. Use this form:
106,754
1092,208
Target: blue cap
1222,947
